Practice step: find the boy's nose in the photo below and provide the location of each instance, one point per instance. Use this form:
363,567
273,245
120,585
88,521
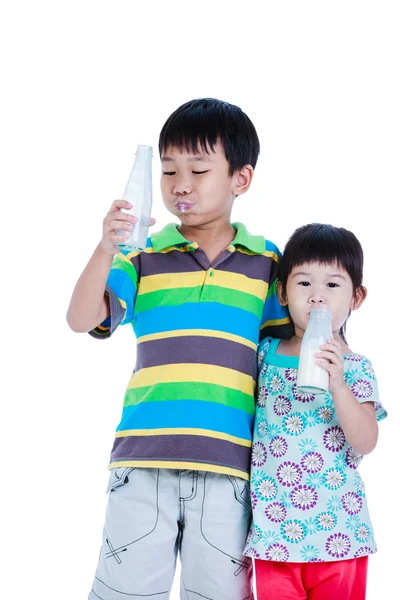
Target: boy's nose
182,187
316,299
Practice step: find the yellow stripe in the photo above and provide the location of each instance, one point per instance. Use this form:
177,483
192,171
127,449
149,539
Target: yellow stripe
185,431
166,250
231,281
198,333
127,257
240,283
165,281
275,322
149,464
189,372
268,253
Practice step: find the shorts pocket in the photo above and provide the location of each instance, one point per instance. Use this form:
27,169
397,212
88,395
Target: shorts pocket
132,508
118,477
226,514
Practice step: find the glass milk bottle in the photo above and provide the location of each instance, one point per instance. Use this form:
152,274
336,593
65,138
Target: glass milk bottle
311,378
138,192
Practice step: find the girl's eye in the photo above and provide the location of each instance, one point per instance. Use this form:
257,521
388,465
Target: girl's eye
199,172
331,284
304,283
168,172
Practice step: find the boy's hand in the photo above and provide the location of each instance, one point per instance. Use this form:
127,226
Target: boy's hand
330,358
116,219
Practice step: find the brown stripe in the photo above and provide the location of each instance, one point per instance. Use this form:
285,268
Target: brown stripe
117,315
197,349
185,448
254,266
170,262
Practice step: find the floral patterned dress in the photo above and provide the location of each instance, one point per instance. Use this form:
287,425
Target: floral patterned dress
308,498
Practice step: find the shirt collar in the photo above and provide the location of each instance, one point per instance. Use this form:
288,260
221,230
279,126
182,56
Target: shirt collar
170,236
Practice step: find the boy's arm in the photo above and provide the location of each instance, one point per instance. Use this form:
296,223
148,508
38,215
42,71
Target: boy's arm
275,321
89,304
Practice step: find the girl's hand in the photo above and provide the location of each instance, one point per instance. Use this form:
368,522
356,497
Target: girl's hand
330,358
116,219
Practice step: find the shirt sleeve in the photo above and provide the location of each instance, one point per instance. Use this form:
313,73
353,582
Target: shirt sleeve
275,321
121,291
360,376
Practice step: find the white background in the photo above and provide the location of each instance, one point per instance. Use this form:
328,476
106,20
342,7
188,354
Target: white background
84,83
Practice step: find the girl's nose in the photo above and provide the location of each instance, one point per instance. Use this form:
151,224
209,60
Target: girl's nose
317,299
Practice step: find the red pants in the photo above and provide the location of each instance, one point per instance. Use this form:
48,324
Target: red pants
336,580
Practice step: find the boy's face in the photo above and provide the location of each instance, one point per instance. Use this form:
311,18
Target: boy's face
197,188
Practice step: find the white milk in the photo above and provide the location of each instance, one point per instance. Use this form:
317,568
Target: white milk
311,378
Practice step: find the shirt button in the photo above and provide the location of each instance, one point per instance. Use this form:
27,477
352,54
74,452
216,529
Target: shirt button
192,249
211,273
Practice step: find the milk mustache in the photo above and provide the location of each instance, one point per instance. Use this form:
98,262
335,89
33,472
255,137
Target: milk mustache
312,378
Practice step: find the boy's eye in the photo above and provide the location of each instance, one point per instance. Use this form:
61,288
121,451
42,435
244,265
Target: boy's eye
331,284
168,172
199,172
304,283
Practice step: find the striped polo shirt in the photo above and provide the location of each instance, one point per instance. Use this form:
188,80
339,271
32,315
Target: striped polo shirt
189,403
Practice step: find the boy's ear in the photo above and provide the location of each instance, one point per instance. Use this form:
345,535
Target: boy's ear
242,180
279,292
358,298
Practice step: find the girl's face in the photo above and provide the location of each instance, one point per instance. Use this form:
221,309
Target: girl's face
315,284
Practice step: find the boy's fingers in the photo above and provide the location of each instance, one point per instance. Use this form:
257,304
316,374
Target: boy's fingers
120,218
118,204
113,225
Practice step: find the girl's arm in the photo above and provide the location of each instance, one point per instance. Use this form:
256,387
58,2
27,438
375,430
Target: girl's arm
358,421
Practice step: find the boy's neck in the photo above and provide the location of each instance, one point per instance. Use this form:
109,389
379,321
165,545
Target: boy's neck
213,237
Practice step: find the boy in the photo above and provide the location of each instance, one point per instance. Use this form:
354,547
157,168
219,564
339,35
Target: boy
197,298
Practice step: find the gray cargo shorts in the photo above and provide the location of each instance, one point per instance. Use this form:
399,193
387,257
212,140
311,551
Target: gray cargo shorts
154,514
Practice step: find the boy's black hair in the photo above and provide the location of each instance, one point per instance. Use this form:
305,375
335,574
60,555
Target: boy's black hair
199,124
324,244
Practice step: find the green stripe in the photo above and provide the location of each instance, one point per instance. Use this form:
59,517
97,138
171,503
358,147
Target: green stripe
272,289
175,297
171,297
208,392
127,267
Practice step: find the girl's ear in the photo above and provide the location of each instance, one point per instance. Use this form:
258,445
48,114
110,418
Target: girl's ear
280,294
358,298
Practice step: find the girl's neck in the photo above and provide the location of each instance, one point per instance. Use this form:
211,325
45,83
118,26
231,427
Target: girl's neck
292,347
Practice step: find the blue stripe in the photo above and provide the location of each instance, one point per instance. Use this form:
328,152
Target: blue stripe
124,288
203,315
270,247
188,413
273,310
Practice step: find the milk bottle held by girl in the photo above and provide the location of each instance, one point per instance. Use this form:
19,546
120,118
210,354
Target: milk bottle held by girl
311,378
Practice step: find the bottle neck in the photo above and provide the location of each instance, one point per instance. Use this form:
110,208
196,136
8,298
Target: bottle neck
146,151
322,312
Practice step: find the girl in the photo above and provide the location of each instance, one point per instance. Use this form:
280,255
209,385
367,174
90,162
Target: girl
311,533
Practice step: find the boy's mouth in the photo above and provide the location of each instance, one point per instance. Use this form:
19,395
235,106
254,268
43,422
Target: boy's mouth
183,206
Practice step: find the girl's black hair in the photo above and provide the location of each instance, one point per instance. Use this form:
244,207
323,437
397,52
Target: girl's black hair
201,123
324,244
